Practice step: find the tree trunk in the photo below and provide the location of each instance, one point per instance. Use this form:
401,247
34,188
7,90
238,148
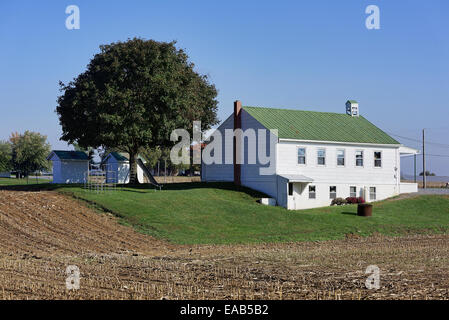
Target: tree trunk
133,168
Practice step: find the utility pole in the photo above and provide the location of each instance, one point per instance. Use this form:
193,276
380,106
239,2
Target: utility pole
423,160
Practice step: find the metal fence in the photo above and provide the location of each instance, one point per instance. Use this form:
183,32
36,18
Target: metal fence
100,180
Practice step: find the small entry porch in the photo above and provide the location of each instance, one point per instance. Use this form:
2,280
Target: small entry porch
408,187
297,190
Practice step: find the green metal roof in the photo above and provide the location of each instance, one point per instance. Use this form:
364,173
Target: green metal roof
71,155
352,101
319,126
122,156
119,156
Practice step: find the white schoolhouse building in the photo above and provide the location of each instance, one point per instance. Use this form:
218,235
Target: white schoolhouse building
315,156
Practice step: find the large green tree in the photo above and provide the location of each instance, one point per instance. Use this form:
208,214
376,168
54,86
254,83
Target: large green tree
89,151
29,152
132,96
152,155
5,156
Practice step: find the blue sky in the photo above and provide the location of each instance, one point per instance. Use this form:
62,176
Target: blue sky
311,55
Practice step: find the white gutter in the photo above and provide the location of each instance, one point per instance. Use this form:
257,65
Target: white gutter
340,142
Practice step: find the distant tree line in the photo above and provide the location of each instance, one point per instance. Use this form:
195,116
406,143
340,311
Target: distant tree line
428,174
24,153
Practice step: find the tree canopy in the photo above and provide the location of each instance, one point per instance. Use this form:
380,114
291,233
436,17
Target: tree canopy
29,152
132,96
89,151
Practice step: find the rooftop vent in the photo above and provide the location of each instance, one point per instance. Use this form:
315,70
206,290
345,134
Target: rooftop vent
352,108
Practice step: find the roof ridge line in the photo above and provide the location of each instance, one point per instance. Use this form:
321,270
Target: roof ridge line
284,109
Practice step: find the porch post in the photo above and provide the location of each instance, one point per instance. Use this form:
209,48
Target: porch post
414,164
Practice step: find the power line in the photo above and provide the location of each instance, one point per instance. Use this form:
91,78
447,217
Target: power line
419,141
396,135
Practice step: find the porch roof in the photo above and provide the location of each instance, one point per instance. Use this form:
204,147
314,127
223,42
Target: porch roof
407,151
296,178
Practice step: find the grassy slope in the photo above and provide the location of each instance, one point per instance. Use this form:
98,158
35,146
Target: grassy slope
217,213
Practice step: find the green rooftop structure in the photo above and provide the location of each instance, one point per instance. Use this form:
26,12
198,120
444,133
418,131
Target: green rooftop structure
70,155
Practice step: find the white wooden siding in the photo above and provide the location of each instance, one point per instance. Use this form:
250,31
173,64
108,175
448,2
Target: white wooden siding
408,187
220,172
69,171
384,178
250,174
287,163
322,197
118,171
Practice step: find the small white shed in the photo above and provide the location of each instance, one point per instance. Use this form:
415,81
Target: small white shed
69,166
116,165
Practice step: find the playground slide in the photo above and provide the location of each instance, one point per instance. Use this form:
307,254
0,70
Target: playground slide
148,174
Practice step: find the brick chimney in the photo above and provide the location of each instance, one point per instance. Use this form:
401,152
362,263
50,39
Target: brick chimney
236,146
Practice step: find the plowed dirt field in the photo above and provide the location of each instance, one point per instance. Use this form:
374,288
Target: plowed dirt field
42,233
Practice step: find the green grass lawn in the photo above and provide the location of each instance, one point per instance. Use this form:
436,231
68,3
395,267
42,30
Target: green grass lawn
191,213
13,181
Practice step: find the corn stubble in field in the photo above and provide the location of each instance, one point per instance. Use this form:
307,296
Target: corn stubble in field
41,233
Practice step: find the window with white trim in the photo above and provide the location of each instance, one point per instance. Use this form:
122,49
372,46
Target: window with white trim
353,192
321,157
301,155
377,159
290,189
341,157
359,158
372,193
332,192
312,192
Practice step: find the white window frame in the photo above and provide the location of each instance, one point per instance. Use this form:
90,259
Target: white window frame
363,158
372,193
374,159
317,157
344,158
331,193
355,192
312,192
305,156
